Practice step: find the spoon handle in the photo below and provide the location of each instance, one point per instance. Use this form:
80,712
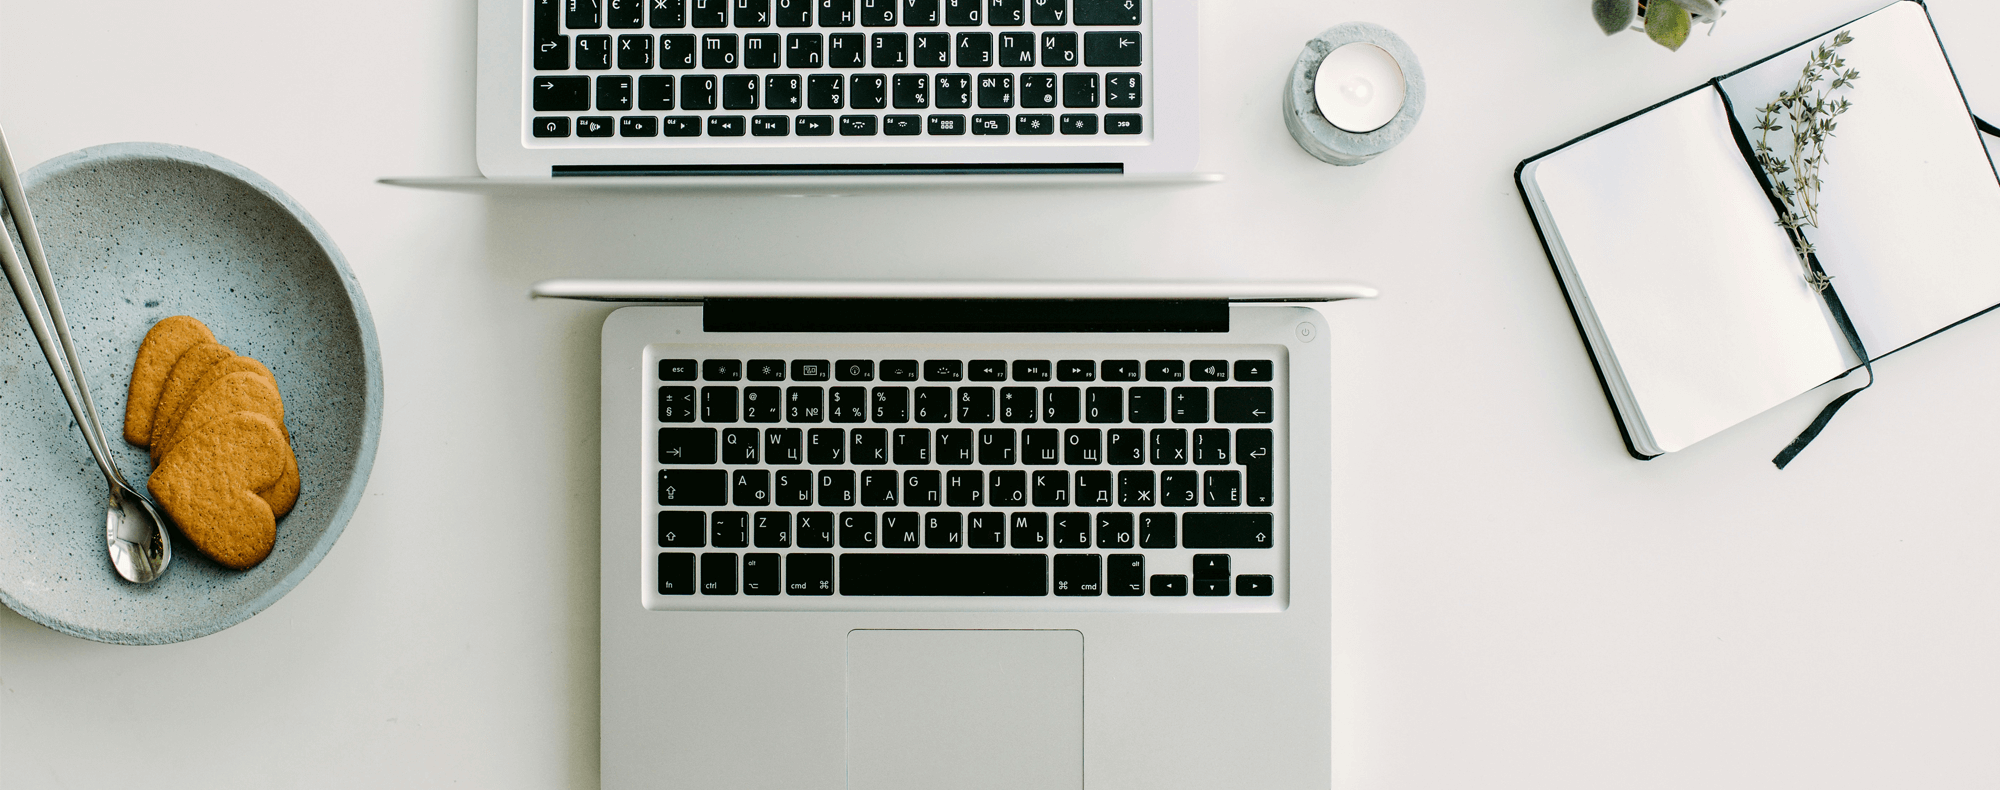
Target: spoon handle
25,290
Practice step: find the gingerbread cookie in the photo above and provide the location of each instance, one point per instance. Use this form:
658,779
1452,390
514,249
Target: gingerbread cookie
163,346
209,486
181,382
242,391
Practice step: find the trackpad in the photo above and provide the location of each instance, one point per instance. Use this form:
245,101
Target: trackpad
964,709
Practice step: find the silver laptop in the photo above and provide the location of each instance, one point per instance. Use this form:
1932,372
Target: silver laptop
878,87
954,539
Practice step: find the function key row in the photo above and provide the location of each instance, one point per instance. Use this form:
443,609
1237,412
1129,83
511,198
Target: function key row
551,15
1117,370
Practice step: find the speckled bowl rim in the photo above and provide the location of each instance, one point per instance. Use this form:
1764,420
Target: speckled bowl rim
371,355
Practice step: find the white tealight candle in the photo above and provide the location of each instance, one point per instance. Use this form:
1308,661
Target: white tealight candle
1359,88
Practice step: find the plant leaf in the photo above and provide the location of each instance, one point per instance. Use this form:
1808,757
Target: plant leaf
1702,9
1667,24
1614,15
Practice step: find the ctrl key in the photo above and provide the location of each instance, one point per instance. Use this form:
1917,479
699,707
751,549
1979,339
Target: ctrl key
676,573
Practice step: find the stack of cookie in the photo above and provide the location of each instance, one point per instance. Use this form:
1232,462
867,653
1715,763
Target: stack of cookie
223,466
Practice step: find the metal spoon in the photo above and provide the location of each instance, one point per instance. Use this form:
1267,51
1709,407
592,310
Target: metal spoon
134,530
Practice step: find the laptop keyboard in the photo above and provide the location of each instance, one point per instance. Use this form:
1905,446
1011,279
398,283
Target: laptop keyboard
847,72
851,480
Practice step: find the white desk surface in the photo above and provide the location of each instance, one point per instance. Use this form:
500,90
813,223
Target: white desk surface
1523,604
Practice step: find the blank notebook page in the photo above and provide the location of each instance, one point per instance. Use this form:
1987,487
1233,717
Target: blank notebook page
1909,219
1700,296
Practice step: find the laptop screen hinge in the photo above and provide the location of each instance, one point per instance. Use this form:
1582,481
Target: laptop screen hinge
965,315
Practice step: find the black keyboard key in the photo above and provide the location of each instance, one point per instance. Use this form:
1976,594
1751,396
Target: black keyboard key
1079,123
635,52
666,13
836,489
730,530
1190,404
676,404
1148,404
1018,404
1135,489
930,50
808,574
1210,566
996,91
1033,370
1070,530
816,528
722,370
1017,50
975,50
683,529
956,574
943,531
679,370
547,14
1123,48
920,13
1034,124
857,125
891,404
1124,90
1253,450
1083,447
1007,488
954,91
1093,488
847,404
718,51
739,92
656,92
677,51
899,370
1208,370
965,488
718,404
761,51
902,125
1061,404
1222,489
900,531
1179,488
996,447
761,574
552,53
698,91
1114,531
975,404
954,446
1211,446
857,530
1108,12
1253,370
1119,370
784,446
990,124
869,446
1211,587
804,404
923,488
750,487
944,370
1029,530
846,50
751,13
1156,531
836,13
562,94
595,126
1170,446
763,404
1125,446
802,51
1253,585
962,13
1078,575
718,574
793,13
1049,489
986,370
1242,404
1170,585
986,531
910,91
554,126
1125,574
1124,124
676,573
687,445
1104,404
680,126
878,488
711,13
888,50
584,14
1049,12
593,52
740,445
1202,530
1058,49
911,447
1038,91
946,124
1080,90
1076,370
1040,446
1166,370
878,13
824,92
1006,13
771,529
614,92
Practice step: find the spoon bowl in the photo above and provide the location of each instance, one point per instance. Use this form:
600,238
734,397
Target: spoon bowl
135,533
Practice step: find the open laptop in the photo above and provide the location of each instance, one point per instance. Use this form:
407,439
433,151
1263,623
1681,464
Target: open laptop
919,535
875,87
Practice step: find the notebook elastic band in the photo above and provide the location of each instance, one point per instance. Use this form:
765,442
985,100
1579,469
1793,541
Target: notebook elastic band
1986,127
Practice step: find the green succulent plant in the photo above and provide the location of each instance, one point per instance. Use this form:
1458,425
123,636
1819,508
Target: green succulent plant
1666,22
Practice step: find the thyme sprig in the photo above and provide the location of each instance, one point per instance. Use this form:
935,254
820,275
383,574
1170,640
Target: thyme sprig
1809,110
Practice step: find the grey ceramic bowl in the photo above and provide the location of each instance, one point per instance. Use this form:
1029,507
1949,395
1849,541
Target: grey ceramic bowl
136,232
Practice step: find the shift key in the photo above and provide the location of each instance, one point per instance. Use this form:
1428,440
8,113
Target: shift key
1226,530
694,487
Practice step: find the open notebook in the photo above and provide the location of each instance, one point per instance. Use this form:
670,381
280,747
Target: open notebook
1688,291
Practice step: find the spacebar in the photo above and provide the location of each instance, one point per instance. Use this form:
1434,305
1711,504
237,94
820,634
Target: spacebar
944,574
